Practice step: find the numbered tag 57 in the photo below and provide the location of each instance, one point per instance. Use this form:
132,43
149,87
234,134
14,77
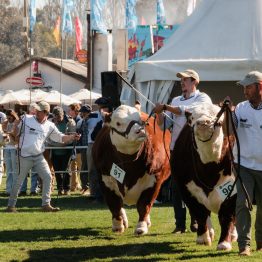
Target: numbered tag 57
118,173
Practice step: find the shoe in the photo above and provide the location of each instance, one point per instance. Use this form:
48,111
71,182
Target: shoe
60,192
11,210
179,230
22,194
49,208
67,193
244,251
194,227
259,246
33,194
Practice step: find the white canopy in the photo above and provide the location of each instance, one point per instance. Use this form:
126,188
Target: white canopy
54,98
85,96
221,40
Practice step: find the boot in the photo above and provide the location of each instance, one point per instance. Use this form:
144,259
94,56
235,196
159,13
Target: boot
49,208
11,209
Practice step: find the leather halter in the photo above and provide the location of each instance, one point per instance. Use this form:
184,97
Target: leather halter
127,131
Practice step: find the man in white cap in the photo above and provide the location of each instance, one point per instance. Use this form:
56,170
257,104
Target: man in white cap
32,131
248,120
190,95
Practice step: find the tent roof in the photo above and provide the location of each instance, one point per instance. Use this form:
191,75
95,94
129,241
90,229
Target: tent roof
221,40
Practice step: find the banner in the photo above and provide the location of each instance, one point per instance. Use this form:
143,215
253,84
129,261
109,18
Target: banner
32,15
79,34
67,26
161,35
97,21
140,44
160,10
56,31
131,18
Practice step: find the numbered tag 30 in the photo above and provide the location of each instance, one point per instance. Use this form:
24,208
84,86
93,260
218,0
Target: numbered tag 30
118,173
224,189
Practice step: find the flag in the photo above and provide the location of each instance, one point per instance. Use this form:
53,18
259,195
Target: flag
161,17
56,31
131,18
32,14
97,21
79,34
191,7
67,26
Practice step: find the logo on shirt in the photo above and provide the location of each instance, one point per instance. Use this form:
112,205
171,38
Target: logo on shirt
244,123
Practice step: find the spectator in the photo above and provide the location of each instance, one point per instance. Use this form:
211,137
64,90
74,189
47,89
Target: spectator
10,150
248,119
2,119
32,132
60,157
76,161
190,94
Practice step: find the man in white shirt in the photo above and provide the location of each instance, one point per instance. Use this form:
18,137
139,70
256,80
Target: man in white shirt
248,120
32,131
190,97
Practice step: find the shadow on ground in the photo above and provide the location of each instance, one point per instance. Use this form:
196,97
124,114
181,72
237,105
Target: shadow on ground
128,252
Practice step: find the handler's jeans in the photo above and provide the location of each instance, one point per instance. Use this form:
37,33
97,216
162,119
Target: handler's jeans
252,180
41,167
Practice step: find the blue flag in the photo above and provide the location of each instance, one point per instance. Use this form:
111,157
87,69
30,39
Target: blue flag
32,14
131,18
161,17
67,25
97,21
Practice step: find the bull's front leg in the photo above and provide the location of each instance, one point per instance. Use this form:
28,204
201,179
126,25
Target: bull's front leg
144,205
115,204
226,217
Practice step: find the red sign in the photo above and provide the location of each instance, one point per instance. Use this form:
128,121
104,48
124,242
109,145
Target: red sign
35,81
81,56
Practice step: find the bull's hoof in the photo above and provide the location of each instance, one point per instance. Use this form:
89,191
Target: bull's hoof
124,217
204,239
234,235
141,228
148,221
226,246
212,234
118,226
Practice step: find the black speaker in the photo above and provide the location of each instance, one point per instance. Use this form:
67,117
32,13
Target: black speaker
111,87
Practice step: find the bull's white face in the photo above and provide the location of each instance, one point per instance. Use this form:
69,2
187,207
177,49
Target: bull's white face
209,138
121,117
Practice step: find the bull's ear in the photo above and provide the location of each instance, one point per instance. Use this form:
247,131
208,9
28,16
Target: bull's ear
188,117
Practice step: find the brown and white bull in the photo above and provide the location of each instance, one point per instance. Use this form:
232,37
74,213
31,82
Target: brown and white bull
203,169
132,163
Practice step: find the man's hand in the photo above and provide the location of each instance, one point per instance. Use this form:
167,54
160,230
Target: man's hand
159,108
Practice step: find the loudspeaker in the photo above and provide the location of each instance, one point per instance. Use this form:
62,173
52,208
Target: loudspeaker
111,87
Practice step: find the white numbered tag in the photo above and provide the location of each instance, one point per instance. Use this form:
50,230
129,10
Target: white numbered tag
224,189
118,173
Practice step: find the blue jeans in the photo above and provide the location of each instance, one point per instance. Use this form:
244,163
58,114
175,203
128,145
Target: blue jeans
10,160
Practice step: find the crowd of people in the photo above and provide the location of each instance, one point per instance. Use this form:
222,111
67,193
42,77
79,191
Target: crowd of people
27,136
53,148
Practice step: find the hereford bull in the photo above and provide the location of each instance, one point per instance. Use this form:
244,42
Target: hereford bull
132,163
203,170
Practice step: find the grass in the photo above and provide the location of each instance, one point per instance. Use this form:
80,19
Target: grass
82,232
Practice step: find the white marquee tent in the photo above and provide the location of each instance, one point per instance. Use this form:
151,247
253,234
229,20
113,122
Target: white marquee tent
221,40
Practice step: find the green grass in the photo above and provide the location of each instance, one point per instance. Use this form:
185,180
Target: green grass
82,232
